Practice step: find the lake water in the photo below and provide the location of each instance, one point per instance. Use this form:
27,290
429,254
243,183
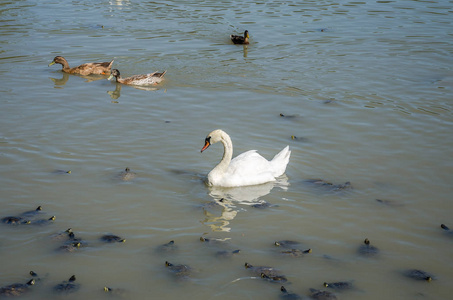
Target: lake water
365,88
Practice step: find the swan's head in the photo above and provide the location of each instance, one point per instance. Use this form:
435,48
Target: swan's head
214,137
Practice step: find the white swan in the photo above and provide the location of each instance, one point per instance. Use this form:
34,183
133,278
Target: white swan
248,168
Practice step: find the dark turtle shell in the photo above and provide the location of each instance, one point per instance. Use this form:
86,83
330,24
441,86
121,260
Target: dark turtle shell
287,295
167,247
226,253
274,277
181,271
286,243
64,235
295,252
111,238
16,289
127,175
259,271
15,220
32,213
68,286
43,222
322,295
367,249
329,185
418,275
340,285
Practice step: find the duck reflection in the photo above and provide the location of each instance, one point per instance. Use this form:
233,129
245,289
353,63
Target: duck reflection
59,82
227,202
116,93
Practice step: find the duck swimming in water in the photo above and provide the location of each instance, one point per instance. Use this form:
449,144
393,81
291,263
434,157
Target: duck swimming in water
145,79
97,68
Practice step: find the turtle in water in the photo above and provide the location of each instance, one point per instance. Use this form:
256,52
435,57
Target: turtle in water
226,253
68,286
263,205
334,187
71,247
32,213
114,291
62,171
261,270
418,275
448,230
167,247
340,285
127,175
213,241
64,235
15,220
287,295
43,221
16,289
367,249
111,238
180,271
296,252
286,243
322,295
274,277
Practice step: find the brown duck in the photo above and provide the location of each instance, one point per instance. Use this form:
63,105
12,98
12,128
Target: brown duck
101,68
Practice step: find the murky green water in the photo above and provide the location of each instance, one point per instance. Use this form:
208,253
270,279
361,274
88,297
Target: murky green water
366,88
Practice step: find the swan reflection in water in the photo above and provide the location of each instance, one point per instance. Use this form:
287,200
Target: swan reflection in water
230,201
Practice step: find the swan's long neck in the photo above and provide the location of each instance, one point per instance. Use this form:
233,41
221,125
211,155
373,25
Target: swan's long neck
227,154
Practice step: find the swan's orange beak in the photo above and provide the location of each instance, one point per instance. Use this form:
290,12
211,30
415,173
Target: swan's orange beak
206,145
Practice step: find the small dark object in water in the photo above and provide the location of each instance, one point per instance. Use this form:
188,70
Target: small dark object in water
447,230
286,243
329,185
322,295
262,205
226,254
340,285
181,271
127,175
296,252
32,213
274,278
300,139
267,271
62,172
168,247
71,247
289,116
418,275
43,221
68,286
237,39
287,295
111,238
15,220
16,289
114,291
367,250
64,235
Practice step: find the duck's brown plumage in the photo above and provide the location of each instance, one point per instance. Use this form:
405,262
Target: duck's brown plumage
238,39
144,79
97,68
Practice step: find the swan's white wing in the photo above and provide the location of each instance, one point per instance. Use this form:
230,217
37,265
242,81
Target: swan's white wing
248,168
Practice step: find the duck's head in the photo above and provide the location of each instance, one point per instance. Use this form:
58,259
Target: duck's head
58,60
246,34
114,73
212,138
